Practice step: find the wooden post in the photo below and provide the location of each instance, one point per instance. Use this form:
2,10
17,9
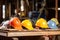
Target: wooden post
33,5
56,8
9,10
17,6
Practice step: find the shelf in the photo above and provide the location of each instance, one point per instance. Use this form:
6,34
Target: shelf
29,33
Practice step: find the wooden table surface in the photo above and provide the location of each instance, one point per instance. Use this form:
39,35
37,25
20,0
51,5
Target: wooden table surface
12,33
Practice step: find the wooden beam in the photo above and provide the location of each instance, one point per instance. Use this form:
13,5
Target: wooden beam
56,6
39,32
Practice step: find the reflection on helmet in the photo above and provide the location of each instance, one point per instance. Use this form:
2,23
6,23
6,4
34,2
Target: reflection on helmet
27,24
55,20
16,23
52,24
42,23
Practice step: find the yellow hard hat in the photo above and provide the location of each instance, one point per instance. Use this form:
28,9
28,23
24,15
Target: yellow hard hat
27,24
42,23
55,20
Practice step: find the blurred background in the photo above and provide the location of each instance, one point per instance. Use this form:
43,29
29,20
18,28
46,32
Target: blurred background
23,7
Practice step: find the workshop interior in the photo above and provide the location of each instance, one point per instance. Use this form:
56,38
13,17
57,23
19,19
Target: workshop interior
30,19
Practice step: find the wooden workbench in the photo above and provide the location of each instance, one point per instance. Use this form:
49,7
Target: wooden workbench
41,32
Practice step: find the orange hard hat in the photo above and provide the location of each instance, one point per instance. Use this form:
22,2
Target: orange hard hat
27,24
42,23
16,23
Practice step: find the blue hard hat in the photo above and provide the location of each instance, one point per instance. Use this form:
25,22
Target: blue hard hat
52,24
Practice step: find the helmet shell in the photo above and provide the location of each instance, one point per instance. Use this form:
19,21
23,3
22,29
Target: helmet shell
42,23
27,24
16,23
52,24
55,20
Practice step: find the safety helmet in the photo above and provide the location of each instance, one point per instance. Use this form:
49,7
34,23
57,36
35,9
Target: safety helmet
42,23
52,24
16,23
27,24
55,20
